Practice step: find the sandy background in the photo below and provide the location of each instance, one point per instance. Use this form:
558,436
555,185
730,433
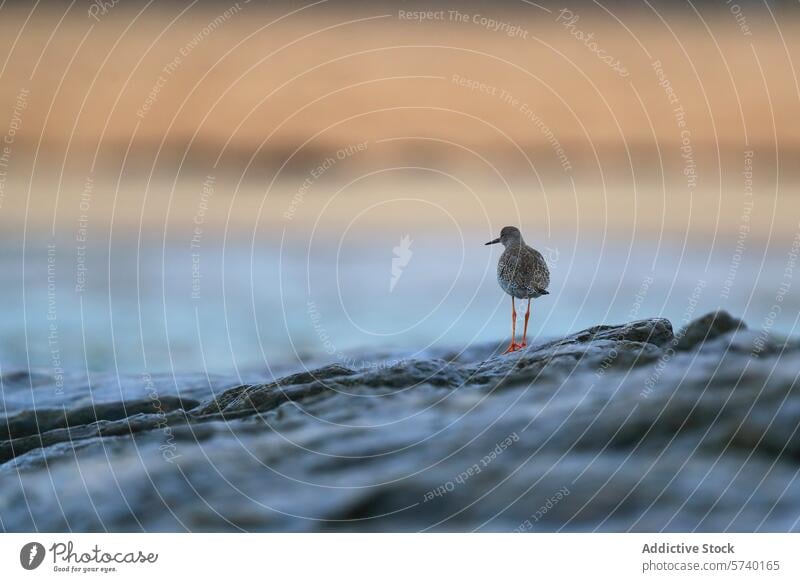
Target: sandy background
150,100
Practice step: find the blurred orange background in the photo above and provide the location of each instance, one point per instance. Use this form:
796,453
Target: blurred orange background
241,91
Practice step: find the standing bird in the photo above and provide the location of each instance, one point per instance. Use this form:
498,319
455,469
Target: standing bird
523,274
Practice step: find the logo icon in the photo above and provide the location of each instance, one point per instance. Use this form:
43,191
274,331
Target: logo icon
31,555
402,256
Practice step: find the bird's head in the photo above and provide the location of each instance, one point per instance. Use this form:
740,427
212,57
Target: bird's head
508,236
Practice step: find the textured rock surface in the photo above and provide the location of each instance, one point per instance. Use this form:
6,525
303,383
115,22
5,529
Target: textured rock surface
614,428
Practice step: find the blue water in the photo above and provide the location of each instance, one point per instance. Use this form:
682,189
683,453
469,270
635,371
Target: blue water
238,305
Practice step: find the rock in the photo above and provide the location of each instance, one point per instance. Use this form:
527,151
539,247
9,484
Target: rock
614,428
706,328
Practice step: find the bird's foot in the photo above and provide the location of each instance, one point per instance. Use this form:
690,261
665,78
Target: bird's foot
514,347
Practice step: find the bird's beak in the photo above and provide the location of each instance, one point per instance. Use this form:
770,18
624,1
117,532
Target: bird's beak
492,242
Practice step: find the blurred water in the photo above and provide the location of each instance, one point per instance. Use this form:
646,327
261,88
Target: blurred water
329,297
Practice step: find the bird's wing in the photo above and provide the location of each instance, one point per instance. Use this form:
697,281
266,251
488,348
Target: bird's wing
540,275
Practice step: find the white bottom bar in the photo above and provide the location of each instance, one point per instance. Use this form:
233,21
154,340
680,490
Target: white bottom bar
404,557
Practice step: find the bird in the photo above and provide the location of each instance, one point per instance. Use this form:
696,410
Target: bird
522,273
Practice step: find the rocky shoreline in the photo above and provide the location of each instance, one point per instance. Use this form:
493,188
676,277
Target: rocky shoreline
616,428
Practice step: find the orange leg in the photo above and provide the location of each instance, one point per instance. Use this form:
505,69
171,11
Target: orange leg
525,333
514,345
